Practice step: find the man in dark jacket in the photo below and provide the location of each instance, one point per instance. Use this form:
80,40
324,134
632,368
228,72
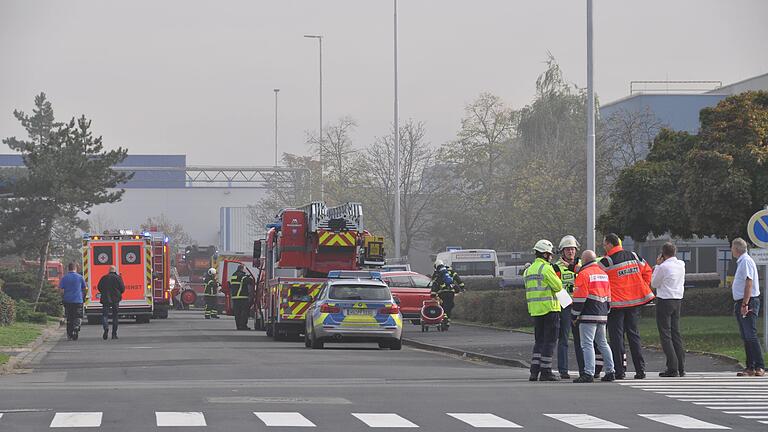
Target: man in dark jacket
111,289
239,289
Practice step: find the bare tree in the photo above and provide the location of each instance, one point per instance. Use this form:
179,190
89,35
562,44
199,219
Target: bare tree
627,136
338,157
175,232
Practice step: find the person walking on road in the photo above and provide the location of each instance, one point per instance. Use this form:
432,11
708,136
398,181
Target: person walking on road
111,289
746,307
669,281
211,290
239,285
566,268
541,287
73,287
591,303
630,278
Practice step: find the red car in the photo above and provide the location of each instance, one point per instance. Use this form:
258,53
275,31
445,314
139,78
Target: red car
411,288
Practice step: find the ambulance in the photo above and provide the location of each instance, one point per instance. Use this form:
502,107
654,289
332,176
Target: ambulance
131,254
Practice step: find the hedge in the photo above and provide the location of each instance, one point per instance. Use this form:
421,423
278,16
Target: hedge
7,309
509,309
23,286
25,312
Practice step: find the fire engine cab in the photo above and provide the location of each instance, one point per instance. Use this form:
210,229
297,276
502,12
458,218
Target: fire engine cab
294,259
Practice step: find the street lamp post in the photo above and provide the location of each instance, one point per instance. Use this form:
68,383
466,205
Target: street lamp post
277,90
396,227
320,130
590,133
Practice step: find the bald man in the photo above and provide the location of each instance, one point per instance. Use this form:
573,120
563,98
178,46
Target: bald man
111,289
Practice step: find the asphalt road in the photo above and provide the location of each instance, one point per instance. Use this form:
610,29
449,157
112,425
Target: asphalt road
194,373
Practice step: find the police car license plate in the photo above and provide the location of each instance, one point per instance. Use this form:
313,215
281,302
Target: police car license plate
364,312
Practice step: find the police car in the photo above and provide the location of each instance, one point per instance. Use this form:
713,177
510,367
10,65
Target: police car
354,306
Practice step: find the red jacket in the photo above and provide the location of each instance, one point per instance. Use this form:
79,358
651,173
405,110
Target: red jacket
630,278
592,294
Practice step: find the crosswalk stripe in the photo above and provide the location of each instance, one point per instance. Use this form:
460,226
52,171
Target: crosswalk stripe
763,421
730,407
755,416
687,396
177,418
76,419
293,419
746,412
682,421
484,420
384,420
725,402
585,421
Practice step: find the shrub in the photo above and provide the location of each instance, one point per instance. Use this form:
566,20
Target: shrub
7,309
481,283
22,285
25,312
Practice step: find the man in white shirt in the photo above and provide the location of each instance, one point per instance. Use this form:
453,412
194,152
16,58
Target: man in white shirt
746,293
669,279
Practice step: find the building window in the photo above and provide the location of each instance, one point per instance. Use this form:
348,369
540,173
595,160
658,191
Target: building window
684,256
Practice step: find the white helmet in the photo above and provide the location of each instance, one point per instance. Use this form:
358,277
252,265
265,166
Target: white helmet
543,246
211,271
568,241
439,263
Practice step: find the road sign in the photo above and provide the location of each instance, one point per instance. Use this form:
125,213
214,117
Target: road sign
760,256
757,228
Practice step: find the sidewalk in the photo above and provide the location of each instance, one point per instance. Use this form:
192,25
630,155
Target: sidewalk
514,349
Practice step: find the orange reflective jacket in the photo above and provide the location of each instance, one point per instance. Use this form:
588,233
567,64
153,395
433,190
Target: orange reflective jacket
630,278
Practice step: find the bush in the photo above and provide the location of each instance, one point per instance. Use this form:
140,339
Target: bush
22,285
25,312
7,309
481,283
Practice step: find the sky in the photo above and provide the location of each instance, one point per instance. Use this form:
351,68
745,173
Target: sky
197,77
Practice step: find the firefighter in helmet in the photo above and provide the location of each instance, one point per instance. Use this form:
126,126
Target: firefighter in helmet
446,283
211,289
239,289
566,268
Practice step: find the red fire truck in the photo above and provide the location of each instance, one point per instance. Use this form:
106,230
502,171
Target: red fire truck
161,273
300,248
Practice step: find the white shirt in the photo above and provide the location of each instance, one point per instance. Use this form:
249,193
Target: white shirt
669,279
745,268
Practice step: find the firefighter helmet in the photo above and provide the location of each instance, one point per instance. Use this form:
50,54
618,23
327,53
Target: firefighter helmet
543,246
211,271
568,241
439,263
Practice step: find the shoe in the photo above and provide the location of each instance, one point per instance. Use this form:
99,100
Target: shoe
746,372
759,372
597,375
533,377
640,375
681,373
105,335
548,377
564,375
669,374
586,378
114,336
609,377
617,376
69,337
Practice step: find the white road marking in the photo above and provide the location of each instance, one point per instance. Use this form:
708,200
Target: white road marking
746,412
293,419
484,420
682,421
755,416
739,396
383,420
763,421
585,421
730,407
180,419
726,402
76,419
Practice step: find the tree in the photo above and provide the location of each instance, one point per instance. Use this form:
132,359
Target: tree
285,192
627,135
338,155
707,184
176,234
67,239
67,172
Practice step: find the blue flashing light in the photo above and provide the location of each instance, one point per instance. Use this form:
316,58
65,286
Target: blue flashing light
166,239
275,225
354,274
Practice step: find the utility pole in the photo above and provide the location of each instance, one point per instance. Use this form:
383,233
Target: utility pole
320,130
590,133
277,90
396,228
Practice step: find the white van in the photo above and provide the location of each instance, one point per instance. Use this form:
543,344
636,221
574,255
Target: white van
471,262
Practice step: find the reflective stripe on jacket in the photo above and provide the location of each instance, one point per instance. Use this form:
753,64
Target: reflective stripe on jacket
592,296
238,288
210,286
630,278
568,277
541,284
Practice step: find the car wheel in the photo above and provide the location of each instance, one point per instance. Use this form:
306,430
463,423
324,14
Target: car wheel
383,344
315,343
396,344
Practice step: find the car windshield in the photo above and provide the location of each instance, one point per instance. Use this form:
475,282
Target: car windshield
359,292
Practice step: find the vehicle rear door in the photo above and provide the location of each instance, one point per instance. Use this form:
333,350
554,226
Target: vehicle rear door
135,267
101,255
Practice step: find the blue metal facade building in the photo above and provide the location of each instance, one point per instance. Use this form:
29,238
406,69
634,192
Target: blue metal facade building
674,111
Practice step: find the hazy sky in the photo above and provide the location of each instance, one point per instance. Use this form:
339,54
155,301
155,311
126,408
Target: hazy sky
196,77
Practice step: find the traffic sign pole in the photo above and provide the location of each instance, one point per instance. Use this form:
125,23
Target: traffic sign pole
757,228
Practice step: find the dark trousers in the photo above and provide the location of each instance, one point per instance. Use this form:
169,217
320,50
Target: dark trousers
240,309
546,329
625,321
211,306
562,340
109,310
668,322
580,353
72,311
446,297
748,331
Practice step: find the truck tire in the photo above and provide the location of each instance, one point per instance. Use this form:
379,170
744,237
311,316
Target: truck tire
164,314
269,329
276,332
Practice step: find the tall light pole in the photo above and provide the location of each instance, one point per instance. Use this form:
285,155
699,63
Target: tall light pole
277,90
590,133
320,130
396,227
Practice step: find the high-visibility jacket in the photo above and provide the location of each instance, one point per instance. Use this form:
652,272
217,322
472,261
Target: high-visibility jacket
592,294
210,286
630,278
567,276
541,284
238,285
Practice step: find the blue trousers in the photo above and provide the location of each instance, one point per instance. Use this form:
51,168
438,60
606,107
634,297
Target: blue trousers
109,310
748,331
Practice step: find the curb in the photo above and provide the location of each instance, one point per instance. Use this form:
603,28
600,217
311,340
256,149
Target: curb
488,326
468,354
32,349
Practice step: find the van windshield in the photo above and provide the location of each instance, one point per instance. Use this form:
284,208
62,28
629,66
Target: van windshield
475,268
359,292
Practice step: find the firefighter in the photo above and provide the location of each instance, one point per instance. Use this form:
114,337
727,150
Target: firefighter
630,278
446,283
211,289
239,288
566,268
541,287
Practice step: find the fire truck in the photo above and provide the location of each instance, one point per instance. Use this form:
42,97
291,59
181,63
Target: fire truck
226,264
294,259
192,266
131,254
161,273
